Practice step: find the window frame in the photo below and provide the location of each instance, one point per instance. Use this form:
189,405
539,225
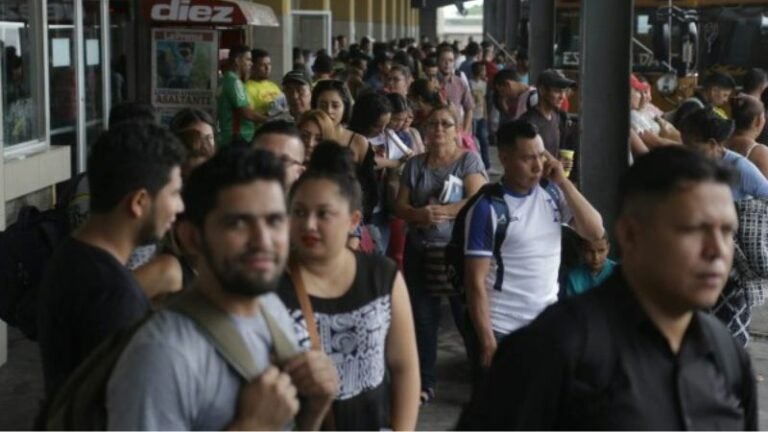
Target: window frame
38,23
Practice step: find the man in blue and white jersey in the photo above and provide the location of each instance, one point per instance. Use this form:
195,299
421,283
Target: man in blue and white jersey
512,277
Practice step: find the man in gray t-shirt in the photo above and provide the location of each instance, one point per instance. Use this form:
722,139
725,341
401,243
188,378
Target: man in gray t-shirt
170,377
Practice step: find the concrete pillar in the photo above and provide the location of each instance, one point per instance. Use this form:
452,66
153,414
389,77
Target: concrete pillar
344,19
428,23
513,24
380,20
402,12
501,20
278,41
392,29
363,19
542,40
489,21
606,31
3,326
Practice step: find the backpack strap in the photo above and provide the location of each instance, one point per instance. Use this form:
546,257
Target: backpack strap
217,325
499,205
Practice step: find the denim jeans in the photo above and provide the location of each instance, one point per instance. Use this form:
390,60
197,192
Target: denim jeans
480,126
426,311
379,229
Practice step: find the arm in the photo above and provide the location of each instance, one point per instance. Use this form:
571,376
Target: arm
477,263
759,157
636,145
252,115
403,360
359,147
475,271
468,103
586,220
160,276
651,140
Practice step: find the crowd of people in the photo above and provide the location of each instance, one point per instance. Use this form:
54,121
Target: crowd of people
318,214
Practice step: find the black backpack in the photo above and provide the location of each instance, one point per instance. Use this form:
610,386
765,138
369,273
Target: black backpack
26,247
454,250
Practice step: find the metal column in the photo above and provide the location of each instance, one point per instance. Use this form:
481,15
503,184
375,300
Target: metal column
501,20
542,39
606,28
513,24
489,23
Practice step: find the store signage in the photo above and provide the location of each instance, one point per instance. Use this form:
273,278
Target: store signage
183,10
209,12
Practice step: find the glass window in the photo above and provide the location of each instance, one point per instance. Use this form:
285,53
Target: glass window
62,69
21,77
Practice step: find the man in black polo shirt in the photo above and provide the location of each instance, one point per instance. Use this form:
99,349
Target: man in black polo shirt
88,293
637,352
544,109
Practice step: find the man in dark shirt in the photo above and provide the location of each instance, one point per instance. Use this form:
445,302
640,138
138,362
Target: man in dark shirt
637,352
552,88
87,293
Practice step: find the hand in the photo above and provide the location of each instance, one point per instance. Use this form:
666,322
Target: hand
553,169
487,350
434,214
314,375
269,402
567,164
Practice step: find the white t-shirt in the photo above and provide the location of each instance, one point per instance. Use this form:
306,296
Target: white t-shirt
524,283
170,377
641,122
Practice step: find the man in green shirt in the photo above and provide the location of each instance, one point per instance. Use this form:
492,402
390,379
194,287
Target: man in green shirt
236,118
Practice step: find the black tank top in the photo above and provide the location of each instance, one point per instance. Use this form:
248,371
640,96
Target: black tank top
353,329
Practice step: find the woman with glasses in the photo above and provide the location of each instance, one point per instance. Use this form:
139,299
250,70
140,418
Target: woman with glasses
333,98
315,126
434,187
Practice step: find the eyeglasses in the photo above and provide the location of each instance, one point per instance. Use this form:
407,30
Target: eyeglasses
289,161
444,124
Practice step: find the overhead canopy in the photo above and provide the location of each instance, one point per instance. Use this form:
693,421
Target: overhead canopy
209,12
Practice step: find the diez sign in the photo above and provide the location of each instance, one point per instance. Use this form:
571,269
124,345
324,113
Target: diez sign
194,12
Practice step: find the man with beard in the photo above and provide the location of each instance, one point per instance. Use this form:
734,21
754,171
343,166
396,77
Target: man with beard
87,292
170,376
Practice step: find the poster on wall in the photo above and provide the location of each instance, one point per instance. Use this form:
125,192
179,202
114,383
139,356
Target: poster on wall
184,70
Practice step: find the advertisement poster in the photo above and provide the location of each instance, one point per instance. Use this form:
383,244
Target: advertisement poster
184,70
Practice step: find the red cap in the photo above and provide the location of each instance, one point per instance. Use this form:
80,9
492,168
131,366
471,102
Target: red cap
638,85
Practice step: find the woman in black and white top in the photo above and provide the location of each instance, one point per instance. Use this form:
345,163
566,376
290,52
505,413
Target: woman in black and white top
358,301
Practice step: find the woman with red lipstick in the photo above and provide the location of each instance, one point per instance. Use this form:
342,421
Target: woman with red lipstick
434,187
354,306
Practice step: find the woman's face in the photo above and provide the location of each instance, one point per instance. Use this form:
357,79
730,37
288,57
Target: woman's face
321,220
311,134
397,83
408,119
331,103
378,127
397,121
441,128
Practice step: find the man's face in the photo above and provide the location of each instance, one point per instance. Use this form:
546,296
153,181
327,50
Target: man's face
523,165
166,204
397,83
446,63
244,240
298,97
243,64
289,149
718,96
681,248
262,67
553,97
